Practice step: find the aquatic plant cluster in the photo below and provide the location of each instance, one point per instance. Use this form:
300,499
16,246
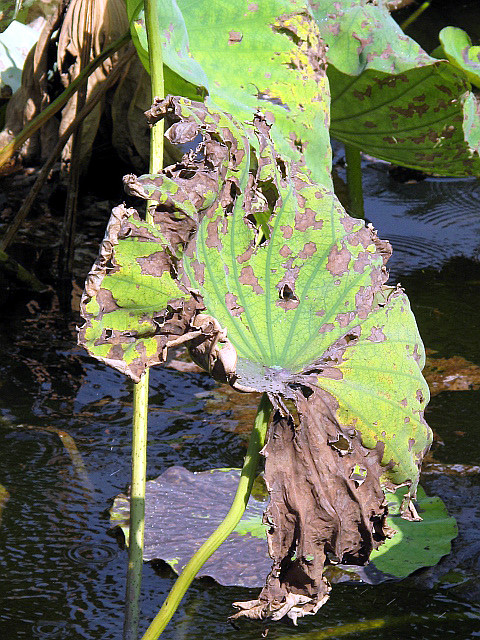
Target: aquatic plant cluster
248,258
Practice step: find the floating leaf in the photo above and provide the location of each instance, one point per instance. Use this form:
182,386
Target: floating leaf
390,98
293,304
415,545
200,501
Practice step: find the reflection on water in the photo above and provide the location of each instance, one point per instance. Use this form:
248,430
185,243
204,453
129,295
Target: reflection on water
427,223
62,576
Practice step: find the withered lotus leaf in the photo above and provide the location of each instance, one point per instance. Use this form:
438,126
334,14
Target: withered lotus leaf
275,289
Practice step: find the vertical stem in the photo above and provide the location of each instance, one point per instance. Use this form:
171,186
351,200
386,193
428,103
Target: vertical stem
137,508
354,181
140,390
67,249
222,532
418,12
152,22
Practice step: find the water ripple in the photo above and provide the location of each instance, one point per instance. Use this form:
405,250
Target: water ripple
50,629
91,554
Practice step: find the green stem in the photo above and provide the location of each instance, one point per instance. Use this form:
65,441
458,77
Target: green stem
152,21
140,392
15,269
222,532
354,181
33,126
137,508
418,12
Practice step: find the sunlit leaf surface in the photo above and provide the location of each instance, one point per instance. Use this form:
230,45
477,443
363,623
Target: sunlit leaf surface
271,60
457,47
390,98
276,289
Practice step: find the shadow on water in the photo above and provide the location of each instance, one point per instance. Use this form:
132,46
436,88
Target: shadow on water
62,576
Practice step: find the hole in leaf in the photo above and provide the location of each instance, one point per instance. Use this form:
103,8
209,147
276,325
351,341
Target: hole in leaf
298,144
186,174
341,444
264,95
286,293
270,192
307,391
290,34
281,167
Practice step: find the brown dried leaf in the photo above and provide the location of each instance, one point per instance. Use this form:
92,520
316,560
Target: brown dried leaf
326,506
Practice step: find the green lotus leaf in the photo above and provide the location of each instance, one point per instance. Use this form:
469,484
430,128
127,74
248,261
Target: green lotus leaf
183,75
128,293
390,98
276,289
457,46
415,545
271,60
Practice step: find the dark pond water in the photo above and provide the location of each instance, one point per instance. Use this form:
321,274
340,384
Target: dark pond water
63,577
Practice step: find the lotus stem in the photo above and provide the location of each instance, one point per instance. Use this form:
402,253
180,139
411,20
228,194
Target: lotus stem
33,126
354,181
222,532
140,390
418,12
12,266
137,508
152,21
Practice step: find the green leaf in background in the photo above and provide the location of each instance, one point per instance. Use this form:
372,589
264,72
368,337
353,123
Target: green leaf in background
200,500
183,76
390,98
256,56
457,47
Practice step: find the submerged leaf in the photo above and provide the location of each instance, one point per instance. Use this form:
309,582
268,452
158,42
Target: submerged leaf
183,508
201,499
